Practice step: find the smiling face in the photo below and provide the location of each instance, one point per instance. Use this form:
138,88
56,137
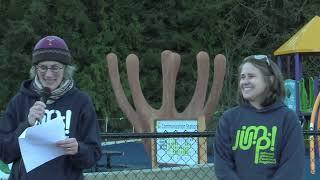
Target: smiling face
50,74
252,85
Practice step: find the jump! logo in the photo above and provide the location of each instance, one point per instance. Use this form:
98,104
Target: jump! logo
56,115
260,139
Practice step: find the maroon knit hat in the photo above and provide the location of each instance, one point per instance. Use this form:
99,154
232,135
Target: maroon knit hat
51,48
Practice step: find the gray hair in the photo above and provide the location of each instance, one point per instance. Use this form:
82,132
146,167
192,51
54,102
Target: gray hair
67,74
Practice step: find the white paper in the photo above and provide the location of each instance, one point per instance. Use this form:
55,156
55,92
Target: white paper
38,145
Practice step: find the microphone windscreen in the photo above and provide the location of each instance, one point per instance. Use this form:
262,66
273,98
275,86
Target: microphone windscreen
45,93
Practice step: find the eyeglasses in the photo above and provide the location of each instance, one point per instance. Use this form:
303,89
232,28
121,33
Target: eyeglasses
54,68
259,58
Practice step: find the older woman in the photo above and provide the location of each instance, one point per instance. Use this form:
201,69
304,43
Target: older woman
52,70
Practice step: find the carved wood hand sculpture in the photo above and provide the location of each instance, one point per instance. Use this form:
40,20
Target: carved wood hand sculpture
143,115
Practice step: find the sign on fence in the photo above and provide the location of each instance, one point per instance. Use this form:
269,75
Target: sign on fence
179,150
182,150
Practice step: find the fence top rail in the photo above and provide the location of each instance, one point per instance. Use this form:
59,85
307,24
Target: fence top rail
315,132
174,134
158,135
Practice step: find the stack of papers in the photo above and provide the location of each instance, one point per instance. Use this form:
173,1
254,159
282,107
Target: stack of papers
38,143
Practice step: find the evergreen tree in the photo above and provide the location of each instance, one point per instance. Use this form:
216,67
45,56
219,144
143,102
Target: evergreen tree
94,28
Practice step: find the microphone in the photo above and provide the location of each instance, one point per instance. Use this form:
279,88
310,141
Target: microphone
45,93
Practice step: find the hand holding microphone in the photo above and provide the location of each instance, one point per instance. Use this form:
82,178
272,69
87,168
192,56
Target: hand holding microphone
36,112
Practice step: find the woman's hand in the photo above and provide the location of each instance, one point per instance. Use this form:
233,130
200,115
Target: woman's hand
69,145
36,112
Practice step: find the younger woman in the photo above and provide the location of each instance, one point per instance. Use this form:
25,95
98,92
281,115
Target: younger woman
261,138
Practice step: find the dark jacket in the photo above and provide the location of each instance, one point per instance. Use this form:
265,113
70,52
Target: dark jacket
265,144
80,118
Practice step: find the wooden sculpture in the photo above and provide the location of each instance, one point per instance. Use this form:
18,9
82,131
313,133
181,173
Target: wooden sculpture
143,115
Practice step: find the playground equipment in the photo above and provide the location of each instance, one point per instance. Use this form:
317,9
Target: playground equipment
302,90
314,115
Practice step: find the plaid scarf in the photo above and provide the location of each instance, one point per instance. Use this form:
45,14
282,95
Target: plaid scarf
64,87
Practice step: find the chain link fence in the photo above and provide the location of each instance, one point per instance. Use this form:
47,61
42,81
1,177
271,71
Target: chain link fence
170,156
155,156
